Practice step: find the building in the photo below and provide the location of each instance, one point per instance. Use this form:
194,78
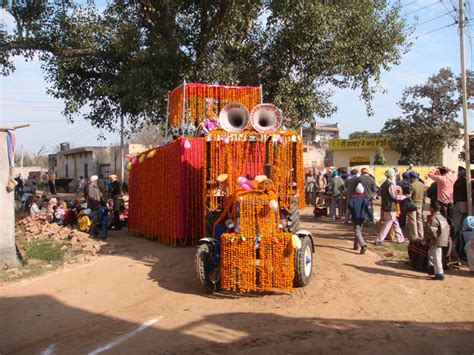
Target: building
361,151
87,161
320,134
316,143
313,157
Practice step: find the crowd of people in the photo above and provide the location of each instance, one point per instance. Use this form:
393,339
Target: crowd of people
402,204
96,208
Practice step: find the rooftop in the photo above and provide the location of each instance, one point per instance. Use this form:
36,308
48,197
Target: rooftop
326,127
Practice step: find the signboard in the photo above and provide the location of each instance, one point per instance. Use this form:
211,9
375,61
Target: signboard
360,143
360,159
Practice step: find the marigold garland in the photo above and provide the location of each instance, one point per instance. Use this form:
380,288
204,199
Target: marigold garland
204,101
243,154
258,226
167,193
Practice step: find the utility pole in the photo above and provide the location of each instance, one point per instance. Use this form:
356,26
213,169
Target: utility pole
122,155
21,162
7,202
464,109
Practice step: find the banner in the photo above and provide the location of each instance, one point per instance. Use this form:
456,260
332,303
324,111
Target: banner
360,143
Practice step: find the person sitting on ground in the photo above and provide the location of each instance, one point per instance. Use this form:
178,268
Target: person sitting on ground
57,216
360,213
34,208
437,237
50,209
83,220
70,217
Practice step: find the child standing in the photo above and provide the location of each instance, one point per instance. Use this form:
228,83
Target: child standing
102,219
360,213
437,237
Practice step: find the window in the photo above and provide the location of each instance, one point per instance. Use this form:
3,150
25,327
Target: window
67,170
104,170
86,171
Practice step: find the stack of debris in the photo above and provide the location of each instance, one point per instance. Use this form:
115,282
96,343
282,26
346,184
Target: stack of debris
77,246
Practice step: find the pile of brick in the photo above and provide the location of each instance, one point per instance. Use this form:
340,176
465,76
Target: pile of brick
77,246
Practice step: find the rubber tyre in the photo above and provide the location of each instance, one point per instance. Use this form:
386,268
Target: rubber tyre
203,253
211,218
293,218
303,263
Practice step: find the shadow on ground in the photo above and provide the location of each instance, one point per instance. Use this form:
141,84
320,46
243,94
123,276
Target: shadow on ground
46,323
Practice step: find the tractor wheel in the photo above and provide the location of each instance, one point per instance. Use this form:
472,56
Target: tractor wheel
211,218
303,263
202,260
293,218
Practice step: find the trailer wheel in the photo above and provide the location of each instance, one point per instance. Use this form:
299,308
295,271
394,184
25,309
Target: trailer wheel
303,263
202,261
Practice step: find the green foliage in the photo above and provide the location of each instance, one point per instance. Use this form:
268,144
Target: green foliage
125,58
379,158
359,134
430,110
44,250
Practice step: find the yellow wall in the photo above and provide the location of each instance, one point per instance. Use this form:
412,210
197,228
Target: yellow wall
342,157
379,171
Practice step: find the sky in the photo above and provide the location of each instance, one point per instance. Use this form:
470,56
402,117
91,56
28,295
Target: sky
23,97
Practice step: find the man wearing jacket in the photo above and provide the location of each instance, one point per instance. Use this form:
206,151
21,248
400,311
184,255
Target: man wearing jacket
370,188
336,188
390,196
415,218
437,236
360,213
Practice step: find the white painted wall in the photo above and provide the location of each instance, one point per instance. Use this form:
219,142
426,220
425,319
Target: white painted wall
7,209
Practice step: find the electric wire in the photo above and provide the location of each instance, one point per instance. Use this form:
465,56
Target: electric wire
435,30
34,121
30,101
435,18
422,8
410,3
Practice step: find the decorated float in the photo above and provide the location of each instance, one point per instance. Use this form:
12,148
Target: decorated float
231,182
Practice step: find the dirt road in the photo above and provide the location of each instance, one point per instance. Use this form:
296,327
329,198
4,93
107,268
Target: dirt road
144,299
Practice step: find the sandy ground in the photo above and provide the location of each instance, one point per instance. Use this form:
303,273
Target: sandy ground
144,299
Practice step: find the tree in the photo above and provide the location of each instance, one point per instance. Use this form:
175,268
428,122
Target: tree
379,158
124,58
38,158
359,134
149,135
430,111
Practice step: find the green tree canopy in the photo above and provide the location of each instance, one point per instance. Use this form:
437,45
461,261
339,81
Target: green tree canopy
429,123
379,158
359,134
125,57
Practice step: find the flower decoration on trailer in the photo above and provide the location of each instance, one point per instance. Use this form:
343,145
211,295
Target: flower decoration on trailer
243,155
257,230
167,192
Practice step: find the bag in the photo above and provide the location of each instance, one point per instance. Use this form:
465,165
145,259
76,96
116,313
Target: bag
418,254
469,223
469,250
320,211
409,206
